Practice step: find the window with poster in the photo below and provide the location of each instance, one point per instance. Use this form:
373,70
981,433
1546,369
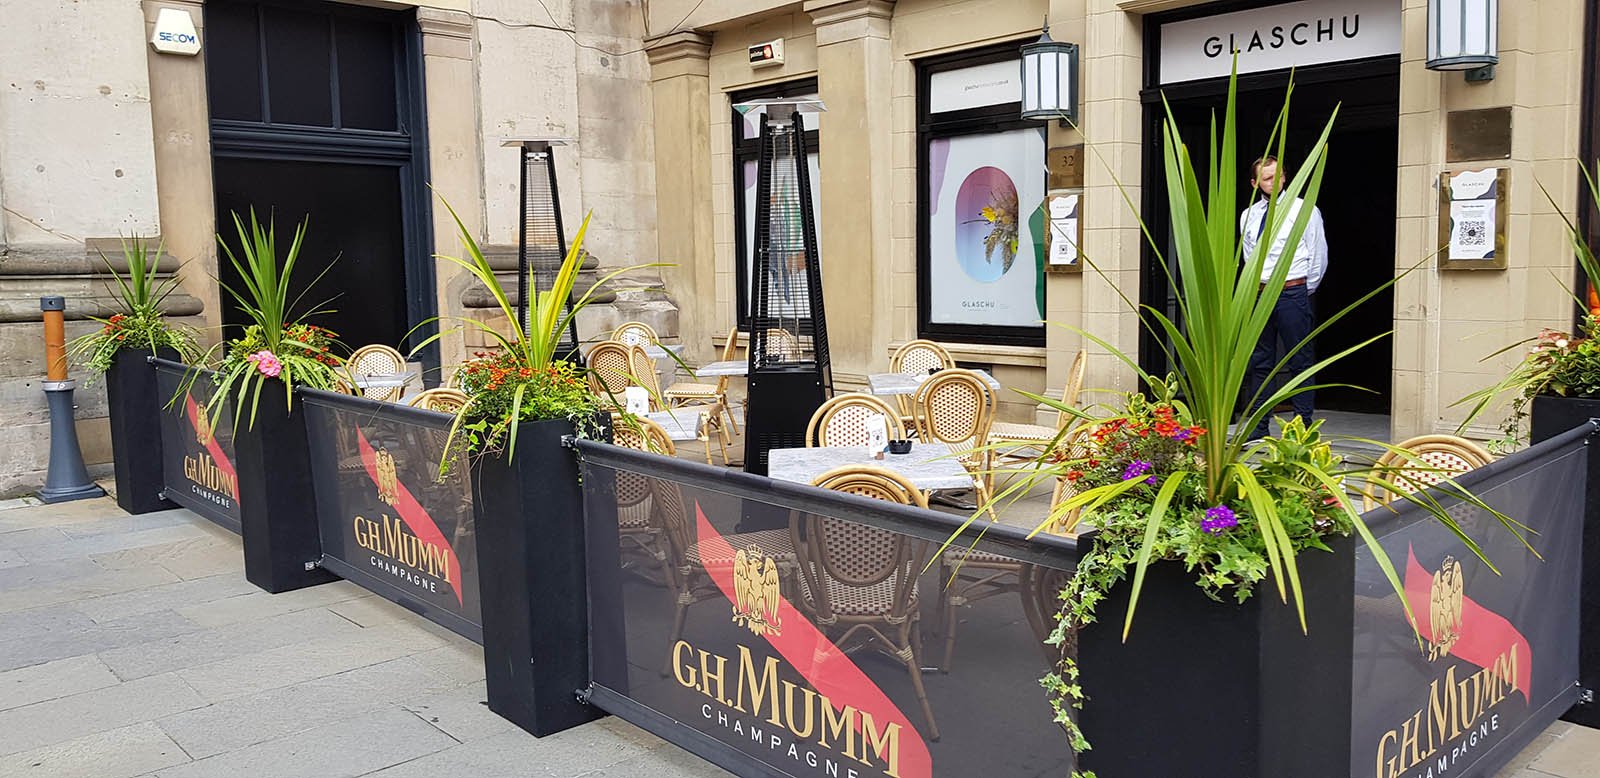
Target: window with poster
981,181
746,148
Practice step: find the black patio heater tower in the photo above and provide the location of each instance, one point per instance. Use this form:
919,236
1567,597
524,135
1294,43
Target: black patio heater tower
790,375
541,242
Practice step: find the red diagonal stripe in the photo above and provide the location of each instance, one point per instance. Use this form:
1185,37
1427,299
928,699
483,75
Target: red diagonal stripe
819,661
212,446
1485,635
412,513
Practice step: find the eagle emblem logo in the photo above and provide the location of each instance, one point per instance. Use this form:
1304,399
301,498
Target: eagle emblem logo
388,480
757,593
202,429
1444,608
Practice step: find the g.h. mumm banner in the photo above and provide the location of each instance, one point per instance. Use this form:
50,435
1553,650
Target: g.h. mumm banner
198,462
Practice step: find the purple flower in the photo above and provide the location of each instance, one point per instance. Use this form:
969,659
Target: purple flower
1137,468
1218,519
1183,435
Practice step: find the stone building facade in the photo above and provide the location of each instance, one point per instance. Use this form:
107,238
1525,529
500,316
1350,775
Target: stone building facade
102,136
875,64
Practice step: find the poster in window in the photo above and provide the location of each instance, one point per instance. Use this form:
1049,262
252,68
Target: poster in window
985,241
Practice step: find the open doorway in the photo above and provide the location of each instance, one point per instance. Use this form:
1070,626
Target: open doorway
1357,203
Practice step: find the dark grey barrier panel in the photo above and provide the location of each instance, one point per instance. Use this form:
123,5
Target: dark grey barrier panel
198,462
388,519
1498,659
777,629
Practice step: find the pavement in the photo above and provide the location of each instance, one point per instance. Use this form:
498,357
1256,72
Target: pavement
133,646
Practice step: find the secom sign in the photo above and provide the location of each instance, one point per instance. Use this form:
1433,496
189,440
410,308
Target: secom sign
1310,32
175,33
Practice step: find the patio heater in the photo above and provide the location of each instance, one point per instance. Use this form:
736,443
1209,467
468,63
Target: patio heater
789,372
541,243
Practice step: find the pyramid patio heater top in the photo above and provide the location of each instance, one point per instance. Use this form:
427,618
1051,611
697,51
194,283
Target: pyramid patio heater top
790,375
541,243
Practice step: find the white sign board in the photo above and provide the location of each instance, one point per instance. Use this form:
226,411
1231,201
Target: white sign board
1310,32
175,33
1063,230
975,87
1472,216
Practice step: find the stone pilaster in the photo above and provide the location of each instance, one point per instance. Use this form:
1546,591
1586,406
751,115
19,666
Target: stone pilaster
455,156
854,64
681,88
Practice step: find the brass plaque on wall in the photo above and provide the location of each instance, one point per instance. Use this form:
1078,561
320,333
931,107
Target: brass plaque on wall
1066,167
1479,134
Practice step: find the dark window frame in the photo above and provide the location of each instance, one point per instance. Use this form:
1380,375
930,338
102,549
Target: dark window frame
748,150
405,147
950,124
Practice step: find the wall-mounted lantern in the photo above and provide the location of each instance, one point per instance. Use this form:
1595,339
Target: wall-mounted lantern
1464,35
1050,79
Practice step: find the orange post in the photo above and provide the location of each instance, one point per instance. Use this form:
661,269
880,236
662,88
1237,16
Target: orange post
55,342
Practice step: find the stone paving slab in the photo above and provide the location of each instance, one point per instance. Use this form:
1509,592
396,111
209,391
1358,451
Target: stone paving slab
136,650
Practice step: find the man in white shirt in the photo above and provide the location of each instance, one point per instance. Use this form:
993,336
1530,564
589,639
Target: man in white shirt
1293,317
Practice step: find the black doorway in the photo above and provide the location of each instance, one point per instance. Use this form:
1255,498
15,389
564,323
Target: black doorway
316,112
1357,203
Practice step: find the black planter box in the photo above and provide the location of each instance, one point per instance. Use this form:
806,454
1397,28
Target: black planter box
1552,416
528,513
1257,697
277,503
135,407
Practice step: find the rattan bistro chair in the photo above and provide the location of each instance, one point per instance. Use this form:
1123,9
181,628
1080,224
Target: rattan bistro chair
917,357
644,374
859,582
1038,438
638,526
1442,458
377,359
441,399
687,393
842,421
610,370
956,407
634,333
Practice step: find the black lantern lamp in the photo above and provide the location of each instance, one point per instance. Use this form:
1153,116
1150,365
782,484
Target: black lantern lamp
790,373
1050,79
541,241
1464,35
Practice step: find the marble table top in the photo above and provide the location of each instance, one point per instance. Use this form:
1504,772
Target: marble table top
902,383
659,351
929,465
385,380
680,424
730,367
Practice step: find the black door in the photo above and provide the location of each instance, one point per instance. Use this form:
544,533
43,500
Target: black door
315,115
1357,202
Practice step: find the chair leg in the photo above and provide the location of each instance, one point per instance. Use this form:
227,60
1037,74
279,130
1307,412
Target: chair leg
728,409
911,636
677,632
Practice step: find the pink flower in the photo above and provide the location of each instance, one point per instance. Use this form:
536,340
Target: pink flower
266,363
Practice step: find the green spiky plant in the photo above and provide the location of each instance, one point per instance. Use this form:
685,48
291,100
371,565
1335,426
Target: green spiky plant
525,378
1162,479
277,345
138,322
1556,363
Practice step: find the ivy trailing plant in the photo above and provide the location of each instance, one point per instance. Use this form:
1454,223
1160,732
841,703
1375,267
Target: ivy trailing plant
277,345
138,322
1556,363
523,378
1162,480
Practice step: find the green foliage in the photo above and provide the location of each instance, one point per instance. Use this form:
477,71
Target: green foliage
138,323
275,345
1557,363
527,389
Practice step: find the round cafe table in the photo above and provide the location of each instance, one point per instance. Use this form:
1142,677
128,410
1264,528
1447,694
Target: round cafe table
929,466
902,383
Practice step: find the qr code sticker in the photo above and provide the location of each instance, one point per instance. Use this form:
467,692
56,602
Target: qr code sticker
1474,233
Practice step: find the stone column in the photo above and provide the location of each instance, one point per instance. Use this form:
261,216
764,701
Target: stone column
180,118
854,62
681,88
455,157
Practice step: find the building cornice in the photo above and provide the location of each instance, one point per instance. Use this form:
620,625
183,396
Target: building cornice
681,53
844,20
